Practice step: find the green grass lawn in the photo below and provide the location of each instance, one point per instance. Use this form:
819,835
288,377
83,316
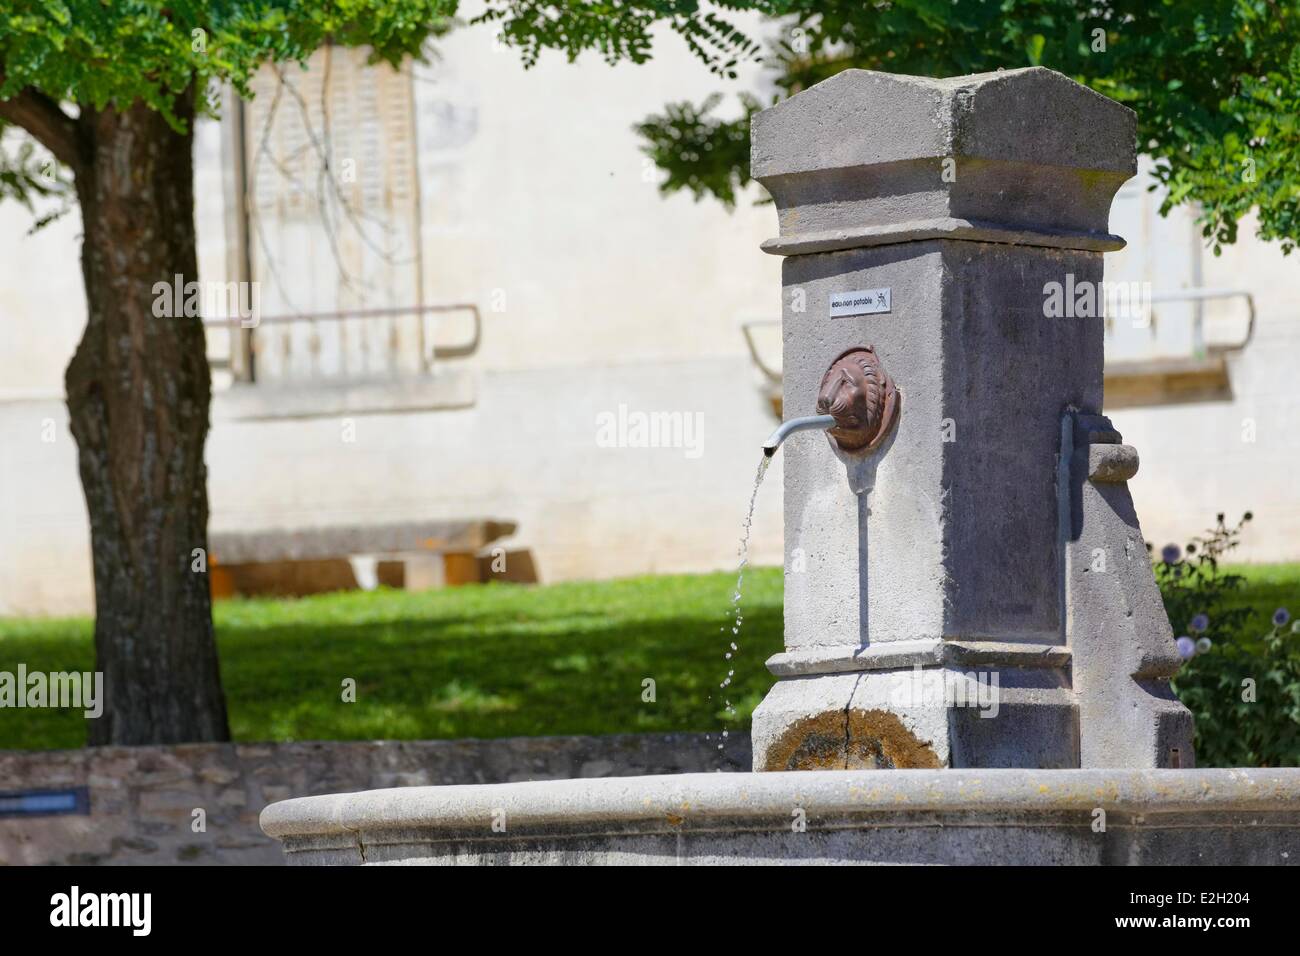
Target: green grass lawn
478,661
482,661
1268,587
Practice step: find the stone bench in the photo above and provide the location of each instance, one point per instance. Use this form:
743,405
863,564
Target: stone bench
410,554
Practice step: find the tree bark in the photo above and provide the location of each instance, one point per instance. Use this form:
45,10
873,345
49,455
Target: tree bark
139,392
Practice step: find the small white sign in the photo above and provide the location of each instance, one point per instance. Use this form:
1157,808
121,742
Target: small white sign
861,302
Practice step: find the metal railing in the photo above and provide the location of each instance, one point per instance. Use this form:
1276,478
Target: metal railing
747,329
243,337
1199,347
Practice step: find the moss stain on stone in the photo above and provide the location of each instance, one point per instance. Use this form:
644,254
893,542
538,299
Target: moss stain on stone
850,740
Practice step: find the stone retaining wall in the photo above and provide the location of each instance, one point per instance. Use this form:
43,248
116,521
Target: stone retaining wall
142,799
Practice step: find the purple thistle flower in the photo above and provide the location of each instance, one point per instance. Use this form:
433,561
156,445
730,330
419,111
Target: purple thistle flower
1199,623
1170,553
1186,648
1280,617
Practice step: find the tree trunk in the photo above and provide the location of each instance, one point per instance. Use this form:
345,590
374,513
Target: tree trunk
139,392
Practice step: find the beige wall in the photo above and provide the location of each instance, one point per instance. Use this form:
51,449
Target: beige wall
1238,455
556,208
42,305
612,296
534,194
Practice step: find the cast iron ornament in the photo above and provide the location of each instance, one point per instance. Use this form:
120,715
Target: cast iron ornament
862,397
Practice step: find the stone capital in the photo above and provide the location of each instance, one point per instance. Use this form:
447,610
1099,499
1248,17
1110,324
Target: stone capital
1026,157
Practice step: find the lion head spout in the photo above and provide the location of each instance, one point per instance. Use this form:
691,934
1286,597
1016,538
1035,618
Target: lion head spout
861,396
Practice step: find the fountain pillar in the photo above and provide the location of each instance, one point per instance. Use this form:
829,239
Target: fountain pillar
974,592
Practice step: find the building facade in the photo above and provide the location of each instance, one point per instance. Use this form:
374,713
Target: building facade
474,303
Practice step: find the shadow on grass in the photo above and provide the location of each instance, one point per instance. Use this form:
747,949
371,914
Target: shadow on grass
490,663
417,679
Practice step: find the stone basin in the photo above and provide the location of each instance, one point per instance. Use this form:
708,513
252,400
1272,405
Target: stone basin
1089,817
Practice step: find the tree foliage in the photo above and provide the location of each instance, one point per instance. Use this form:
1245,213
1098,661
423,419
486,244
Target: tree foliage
1215,84
700,152
101,52
96,53
33,179
622,29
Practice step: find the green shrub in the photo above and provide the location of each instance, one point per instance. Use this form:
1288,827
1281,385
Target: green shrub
1240,680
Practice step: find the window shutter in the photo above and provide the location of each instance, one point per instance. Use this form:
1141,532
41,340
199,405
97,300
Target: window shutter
334,217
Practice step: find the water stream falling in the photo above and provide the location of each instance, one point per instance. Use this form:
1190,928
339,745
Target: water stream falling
734,613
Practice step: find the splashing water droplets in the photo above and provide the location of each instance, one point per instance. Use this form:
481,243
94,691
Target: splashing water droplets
734,612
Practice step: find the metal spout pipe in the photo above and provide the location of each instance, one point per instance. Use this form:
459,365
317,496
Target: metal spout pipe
807,423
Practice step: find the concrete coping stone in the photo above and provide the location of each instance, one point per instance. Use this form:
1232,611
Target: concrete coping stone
651,803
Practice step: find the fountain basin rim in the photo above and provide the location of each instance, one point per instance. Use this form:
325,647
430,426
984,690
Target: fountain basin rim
700,800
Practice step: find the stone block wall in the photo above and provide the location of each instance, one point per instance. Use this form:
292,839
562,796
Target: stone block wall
142,799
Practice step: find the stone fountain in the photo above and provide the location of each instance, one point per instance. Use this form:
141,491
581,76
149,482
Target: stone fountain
977,660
